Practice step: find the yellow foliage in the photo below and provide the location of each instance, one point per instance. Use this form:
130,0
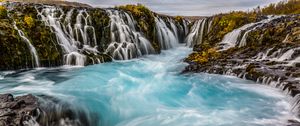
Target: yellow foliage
2,8
137,10
3,12
29,21
178,18
283,7
204,56
233,20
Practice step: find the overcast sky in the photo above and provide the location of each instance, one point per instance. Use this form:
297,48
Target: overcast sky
186,7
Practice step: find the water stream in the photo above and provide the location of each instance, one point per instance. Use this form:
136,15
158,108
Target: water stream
151,91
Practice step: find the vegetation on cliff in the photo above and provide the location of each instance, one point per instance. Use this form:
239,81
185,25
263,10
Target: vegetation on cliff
204,56
225,23
44,40
269,35
281,8
100,21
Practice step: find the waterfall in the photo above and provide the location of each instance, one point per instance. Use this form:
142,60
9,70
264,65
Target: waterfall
198,32
290,56
174,28
185,27
287,55
166,37
32,49
127,43
193,34
74,39
238,36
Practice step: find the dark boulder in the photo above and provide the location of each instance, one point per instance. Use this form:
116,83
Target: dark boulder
19,111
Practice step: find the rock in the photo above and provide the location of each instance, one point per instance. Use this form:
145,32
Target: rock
293,123
6,98
17,111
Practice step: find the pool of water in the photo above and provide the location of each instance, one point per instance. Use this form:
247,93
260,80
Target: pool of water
150,91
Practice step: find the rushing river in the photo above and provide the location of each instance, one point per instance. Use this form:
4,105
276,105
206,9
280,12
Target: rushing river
150,91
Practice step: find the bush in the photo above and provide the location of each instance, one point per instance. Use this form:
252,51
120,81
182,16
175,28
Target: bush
29,21
204,56
281,8
137,10
178,18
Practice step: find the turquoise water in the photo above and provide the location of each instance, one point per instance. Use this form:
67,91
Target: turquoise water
150,91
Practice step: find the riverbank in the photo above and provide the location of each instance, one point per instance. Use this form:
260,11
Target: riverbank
254,46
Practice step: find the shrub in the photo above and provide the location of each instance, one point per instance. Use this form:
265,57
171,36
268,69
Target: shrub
178,18
29,21
137,10
283,7
204,56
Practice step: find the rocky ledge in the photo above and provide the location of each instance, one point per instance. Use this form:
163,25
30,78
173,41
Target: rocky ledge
18,111
29,110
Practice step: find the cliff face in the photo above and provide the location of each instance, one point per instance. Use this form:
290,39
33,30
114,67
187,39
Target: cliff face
35,35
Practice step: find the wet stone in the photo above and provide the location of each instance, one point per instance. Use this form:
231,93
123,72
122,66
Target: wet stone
14,111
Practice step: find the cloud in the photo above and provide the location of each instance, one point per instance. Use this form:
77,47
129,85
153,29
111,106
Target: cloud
186,7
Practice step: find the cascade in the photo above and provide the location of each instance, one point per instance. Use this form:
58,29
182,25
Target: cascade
290,56
262,55
287,55
185,27
173,27
127,43
193,34
32,49
182,29
198,31
209,25
202,28
238,36
166,37
73,38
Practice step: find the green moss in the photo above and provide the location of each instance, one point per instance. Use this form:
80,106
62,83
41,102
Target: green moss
100,21
14,54
40,36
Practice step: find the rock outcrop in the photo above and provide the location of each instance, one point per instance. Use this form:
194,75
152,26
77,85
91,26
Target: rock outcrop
29,110
18,111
